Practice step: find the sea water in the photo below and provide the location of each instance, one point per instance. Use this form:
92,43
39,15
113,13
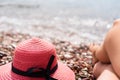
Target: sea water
71,20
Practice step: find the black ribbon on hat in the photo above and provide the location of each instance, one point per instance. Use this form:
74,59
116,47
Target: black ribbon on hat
38,72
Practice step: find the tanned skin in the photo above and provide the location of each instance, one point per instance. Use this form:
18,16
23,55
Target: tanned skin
107,55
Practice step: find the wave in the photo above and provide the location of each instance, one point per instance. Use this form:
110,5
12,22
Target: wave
74,29
73,21
20,5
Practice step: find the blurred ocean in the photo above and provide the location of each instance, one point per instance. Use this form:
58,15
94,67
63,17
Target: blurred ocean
71,20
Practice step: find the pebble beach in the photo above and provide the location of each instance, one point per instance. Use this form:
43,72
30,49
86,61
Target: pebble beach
71,25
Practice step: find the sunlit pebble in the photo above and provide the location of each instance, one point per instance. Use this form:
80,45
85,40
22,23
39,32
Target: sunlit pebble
68,56
76,67
89,62
9,58
58,47
6,61
79,79
4,58
84,54
63,61
62,53
86,64
85,69
64,49
70,65
85,73
70,49
71,61
75,59
10,48
2,62
90,57
61,56
13,45
2,54
77,55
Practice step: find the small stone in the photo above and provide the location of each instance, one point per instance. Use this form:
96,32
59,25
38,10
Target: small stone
79,79
68,56
2,54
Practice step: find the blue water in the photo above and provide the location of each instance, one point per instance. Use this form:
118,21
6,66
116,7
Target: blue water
77,20
85,8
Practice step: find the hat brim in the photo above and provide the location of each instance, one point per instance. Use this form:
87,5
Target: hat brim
62,73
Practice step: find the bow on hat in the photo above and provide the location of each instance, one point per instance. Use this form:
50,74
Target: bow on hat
38,72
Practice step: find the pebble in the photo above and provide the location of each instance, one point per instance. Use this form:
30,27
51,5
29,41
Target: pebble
2,54
68,56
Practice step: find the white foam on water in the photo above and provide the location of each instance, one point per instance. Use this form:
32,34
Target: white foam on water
71,29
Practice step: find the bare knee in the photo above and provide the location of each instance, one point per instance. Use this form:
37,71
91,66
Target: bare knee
95,70
99,68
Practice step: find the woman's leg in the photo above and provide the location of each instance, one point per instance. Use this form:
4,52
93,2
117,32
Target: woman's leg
99,53
112,46
104,72
107,75
109,51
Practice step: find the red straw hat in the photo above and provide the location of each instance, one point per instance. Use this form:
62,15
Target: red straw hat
35,59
